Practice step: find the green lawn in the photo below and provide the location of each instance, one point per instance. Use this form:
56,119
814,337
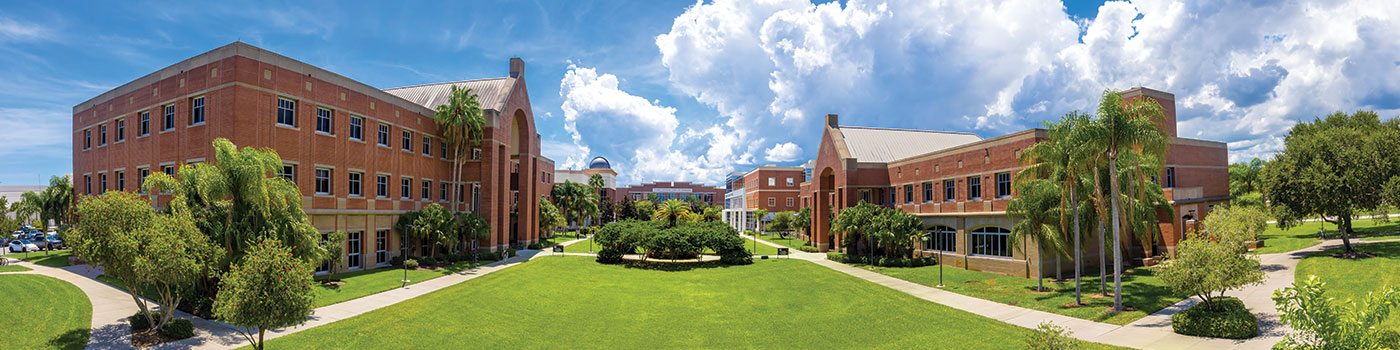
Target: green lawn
55,315
1141,291
1305,235
761,249
789,242
357,283
572,302
13,268
580,247
1352,279
54,258
560,237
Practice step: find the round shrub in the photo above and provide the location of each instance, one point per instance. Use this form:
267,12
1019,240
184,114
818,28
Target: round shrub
138,322
1230,320
410,263
809,249
429,261
178,329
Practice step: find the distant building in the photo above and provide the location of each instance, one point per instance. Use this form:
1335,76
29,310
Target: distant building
678,190
13,194
598,166
770,187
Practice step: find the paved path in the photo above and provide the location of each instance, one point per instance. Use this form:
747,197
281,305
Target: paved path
110,306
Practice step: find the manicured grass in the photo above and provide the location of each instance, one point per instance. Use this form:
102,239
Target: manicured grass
763,249
581,247
14,268
55,258
1304,235
369,282
582,304
790,242
758,248
54,315
1141,291
560,237
1353,278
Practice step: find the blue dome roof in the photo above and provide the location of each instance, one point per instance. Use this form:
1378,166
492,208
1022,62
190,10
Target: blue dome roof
599,163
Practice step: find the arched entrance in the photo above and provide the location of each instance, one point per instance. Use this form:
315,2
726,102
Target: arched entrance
821,210
523,202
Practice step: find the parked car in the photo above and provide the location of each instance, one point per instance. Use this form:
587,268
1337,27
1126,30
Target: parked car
53,243
22,245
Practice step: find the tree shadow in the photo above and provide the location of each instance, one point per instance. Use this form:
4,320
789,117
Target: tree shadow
72,339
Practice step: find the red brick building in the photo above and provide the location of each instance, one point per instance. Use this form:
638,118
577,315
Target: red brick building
360,155
678,190
960,185
772,188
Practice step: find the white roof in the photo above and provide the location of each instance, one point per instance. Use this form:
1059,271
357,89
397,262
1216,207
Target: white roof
880,145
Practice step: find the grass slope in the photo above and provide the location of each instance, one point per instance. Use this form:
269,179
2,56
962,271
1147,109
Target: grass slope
55,258
358,284
13,268
1141,290
789,242
571,302
1278,240
55,315
1352,279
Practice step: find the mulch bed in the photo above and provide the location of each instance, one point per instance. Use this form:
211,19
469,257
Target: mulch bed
145,339
1125,308
1354,255
1072,305
333,283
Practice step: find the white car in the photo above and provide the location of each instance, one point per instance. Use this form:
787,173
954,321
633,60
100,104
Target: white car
22,245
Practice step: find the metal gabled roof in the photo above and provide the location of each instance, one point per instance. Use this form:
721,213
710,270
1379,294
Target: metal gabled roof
881,145
492,93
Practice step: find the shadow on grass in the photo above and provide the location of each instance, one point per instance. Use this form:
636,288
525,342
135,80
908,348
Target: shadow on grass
1385,250
72,339
671,266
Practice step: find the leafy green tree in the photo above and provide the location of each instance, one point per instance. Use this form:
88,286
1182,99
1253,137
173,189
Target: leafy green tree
1209,263
607,211
1038,207
575,201
462,125
802,220
473,227
1320,323
404,225
781,223
645,209
712,213
1125,129
333,251
626,210
672,212
1244,177
435,224
758,216
237,200
896,232
854,225
8,224
269,288
1333,167
550,218
144,249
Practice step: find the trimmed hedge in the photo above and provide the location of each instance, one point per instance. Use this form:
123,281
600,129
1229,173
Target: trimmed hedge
410,263
809,249
175,329
1234,321
881,261
397,260
685,240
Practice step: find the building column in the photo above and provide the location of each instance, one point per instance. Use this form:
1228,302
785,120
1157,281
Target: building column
821,229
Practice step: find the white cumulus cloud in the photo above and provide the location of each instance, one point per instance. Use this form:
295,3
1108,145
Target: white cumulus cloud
783,152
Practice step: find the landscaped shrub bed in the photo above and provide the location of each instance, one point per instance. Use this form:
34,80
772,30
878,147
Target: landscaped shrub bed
175,329
683,241
1232,320
880,261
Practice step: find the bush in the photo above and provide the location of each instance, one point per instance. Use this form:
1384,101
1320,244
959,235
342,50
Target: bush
1231,320
1048,336
410,263
488,256
535,246
178,329
809,249
429,262
1388,338
397,260
138,322
881,261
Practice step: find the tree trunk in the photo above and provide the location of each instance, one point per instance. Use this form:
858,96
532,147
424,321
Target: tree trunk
1076,248
1117,252
262,332
1345,230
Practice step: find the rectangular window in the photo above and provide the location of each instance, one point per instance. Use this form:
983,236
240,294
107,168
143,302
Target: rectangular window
289,172
355,178
102,135
197,110
286,112
102,182
407,141
87,184
476,154
121,181
950,192
145,123
942,238
990,241
1171,177
87,139
403,188
383,134
789,201
352,243
426,186
476,196
427,146
1003,185
789,181
381,247
381,186
442,149
772,182
908,193
323,181
323,120
169,122
357,128
772,201
442,191
121,130
169,170
974,187
141,179
928,192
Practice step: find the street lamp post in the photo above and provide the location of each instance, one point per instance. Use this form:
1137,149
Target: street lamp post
403,251
940,268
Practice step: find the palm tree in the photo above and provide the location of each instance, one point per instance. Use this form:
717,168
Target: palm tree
596,184
462,126
1062,158
1038,205
1124,127
758,215
672,211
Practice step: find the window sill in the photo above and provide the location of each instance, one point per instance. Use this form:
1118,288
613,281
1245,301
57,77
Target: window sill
323,133
138,137
383,145
356,196
167,130
357,140
289,127
194,125
323,195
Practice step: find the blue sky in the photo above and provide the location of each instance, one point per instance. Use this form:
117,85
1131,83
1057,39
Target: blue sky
679,90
